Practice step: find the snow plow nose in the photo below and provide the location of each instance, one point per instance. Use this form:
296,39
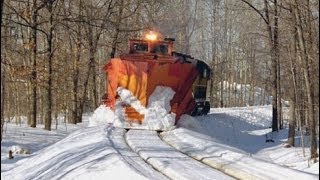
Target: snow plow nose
142,77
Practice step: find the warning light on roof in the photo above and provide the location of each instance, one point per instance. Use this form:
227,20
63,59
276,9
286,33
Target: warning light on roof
151,36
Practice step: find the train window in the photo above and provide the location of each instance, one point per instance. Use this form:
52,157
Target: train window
140,47
160,48
205,73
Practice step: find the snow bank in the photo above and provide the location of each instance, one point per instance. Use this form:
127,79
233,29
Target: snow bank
89,153
227,159
157,115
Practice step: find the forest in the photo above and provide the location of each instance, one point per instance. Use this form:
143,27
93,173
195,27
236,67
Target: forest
53,53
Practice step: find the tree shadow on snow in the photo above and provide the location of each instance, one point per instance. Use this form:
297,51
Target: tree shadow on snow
240,133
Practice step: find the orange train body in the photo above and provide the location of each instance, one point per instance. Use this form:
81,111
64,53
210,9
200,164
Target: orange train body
154,63
142,77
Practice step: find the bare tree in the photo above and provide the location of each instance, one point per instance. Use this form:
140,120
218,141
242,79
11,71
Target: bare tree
2,83
307,63
1,10
50,5
272,27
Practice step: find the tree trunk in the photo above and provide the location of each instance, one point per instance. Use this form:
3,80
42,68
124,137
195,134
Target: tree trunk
90,72
293,102
92,51
292,123
273,36
34,67
309,86
213,80
279,102
221,93
3,94
1,11
75,111
48,120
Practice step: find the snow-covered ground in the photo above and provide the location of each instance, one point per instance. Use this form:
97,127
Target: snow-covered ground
103,151
248,128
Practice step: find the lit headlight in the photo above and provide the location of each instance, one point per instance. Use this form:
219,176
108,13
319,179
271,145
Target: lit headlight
151,36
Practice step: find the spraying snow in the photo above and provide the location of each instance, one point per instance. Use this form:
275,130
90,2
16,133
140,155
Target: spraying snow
127,98
189,122
157,115
102,115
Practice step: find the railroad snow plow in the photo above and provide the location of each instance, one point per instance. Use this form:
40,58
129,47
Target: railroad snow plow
152,63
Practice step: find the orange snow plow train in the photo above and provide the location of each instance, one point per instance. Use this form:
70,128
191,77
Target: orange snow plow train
152,63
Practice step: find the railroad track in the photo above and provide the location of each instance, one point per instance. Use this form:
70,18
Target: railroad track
228,160
116,136
111,152
170,162
167,160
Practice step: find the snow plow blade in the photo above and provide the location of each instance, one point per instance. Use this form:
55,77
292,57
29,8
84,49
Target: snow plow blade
141,77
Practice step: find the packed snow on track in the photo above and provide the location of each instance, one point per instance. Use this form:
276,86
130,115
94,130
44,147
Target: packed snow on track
157,115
